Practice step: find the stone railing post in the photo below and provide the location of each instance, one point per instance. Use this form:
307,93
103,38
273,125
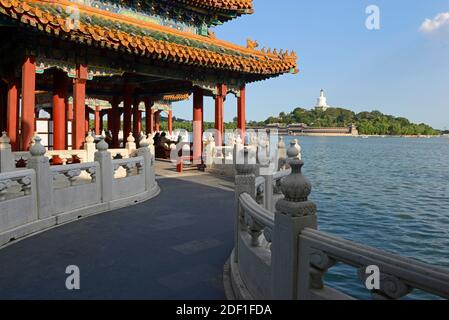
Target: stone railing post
89,147
6,155
44,179
103,157
238,141
293,214
281,153
298,147
245,182
209,147
150,139
293,153
266,170
144,152
131,144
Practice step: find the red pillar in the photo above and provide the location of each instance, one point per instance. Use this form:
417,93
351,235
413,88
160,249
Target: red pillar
149,116
137,120
127,103
117,123
79,105
28,101
198,105
69,111
60,82
12,113
87,120
97,120
156,121
102,113
3,105
219,117
109,119
241,112
170,122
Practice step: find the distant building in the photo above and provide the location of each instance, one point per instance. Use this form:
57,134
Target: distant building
322,102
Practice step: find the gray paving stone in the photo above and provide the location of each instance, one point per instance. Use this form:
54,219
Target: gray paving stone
196,246
130,253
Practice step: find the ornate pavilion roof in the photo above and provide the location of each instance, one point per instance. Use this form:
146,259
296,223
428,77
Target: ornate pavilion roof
123,33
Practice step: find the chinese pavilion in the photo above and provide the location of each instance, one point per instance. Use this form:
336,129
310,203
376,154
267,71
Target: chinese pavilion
130,54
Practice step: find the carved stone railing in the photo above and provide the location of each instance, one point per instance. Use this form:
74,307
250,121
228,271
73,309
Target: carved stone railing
257,220
18,191
74,173
131,166
15,184
19,159
75,186
43,196
320,251
66,156
221,159
276,194
281,255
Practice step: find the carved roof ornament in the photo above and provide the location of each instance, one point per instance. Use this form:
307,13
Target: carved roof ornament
211,34
251,44
233,5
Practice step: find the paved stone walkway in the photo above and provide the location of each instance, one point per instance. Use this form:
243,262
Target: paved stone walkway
171,247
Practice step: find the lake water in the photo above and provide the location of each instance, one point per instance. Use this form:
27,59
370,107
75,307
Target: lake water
389,193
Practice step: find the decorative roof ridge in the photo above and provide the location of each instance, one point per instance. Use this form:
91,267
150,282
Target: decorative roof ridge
241,6
176,97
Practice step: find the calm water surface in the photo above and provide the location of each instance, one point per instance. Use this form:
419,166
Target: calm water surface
389,193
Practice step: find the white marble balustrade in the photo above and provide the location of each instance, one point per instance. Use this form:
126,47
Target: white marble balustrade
42,196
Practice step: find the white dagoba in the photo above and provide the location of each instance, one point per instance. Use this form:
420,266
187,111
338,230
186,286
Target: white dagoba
322,102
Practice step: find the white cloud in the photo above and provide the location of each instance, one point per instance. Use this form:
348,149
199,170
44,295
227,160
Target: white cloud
439,22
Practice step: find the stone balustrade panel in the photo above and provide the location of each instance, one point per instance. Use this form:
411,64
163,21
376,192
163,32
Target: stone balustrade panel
129,177
75,186
17,199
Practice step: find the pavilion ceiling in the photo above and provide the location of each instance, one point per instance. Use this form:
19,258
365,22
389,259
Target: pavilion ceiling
143,86
145,40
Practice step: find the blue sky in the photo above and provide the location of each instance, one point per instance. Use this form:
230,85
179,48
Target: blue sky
399,69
